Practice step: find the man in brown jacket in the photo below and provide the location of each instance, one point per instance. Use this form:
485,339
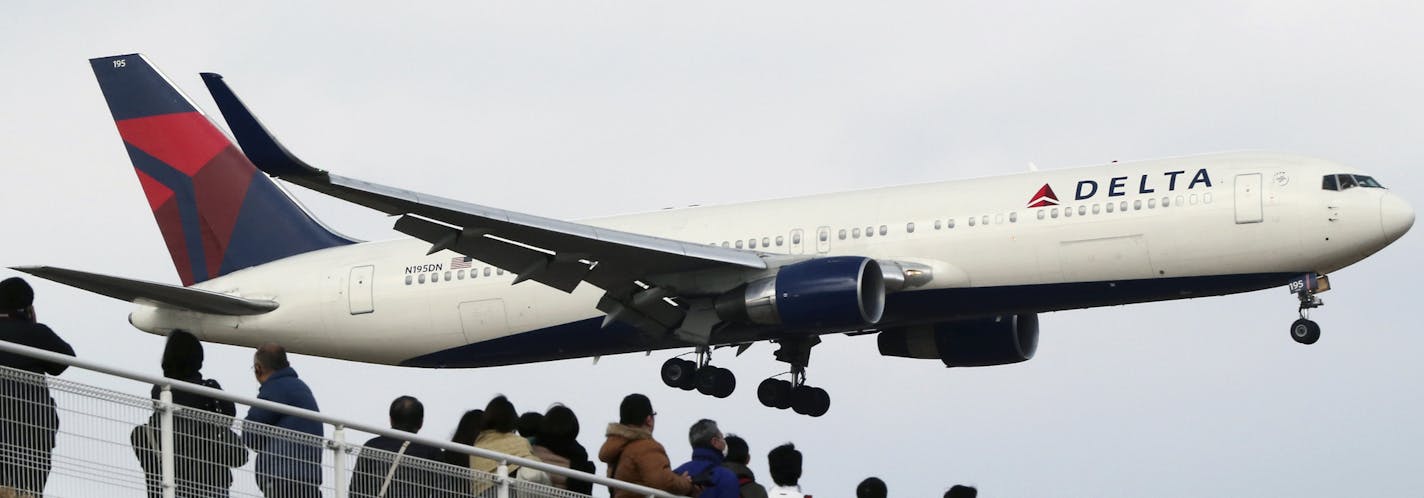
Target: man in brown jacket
633,456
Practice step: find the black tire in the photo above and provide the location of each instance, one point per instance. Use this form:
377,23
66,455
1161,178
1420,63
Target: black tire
677,372
726,383
822,402
774,393
1305,331
707,380
804,400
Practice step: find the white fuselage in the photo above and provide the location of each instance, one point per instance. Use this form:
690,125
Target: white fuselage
1187,224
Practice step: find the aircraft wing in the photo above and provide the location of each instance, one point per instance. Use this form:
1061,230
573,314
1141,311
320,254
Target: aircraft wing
556,253
153,293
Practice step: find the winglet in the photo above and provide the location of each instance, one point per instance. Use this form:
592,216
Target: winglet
257,143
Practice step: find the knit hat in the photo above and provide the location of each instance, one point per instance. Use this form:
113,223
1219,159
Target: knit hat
15,294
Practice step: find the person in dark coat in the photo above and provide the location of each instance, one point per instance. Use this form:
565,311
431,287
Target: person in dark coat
457,483
373,471
871,487
28,419
739,457
706,467
205,448
285,467
558,445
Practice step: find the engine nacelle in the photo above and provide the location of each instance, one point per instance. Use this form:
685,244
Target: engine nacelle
841,291
971,343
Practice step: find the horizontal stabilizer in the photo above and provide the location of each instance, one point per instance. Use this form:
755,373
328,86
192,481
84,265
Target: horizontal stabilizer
153,293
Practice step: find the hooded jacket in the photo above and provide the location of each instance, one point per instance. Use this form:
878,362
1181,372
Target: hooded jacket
706,464
633,456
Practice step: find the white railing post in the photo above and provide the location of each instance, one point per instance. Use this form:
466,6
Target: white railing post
338,440
165,441
502,474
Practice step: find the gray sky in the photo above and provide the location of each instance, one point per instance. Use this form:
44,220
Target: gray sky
580,109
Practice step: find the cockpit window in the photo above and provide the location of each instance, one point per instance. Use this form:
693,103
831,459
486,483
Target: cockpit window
1366,181
1347,181
1329,183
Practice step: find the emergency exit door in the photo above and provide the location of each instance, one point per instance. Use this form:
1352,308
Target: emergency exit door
1248,198
359,290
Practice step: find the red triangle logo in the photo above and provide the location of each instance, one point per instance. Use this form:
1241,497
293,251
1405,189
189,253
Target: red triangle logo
1044,197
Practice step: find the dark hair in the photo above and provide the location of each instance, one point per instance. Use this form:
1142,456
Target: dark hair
182,355
272,357
785,464
961,491
465,433
871,487
635,409
500,415
559,425
737,450
15,295
529,424
407,414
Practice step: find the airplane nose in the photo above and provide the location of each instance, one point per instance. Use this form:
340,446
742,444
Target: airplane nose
1396,216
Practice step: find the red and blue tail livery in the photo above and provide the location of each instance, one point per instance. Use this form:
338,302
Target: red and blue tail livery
216,214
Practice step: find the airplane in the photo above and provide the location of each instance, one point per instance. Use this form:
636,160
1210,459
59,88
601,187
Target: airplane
955,271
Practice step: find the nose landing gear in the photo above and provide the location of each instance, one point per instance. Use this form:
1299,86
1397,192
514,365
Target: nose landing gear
1305,330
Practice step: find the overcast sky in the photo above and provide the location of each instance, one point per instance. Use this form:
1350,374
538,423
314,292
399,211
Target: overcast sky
582,109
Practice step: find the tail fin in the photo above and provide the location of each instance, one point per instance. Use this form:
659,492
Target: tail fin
217,215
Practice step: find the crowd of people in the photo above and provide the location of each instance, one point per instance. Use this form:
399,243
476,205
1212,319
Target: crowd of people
206,447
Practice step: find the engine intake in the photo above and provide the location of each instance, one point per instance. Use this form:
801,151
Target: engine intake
841,291
971,343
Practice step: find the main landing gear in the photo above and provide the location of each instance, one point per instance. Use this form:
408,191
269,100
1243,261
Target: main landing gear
700,375
794,393
1305,330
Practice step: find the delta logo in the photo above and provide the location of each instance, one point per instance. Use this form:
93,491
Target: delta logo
1118,186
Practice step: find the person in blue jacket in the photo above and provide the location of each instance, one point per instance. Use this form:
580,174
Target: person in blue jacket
708,453
290,465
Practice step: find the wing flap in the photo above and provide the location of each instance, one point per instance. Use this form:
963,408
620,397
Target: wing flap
144,292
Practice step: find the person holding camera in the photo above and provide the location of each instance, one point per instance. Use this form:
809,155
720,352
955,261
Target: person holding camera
708,453
28,419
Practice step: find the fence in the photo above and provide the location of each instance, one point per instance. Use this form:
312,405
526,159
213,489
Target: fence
113,444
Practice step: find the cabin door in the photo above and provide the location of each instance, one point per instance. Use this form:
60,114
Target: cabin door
1248,198
359,290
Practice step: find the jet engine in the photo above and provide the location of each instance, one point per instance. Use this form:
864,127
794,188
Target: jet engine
822,293
971,343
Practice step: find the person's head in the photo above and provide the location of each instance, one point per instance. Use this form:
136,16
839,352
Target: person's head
871,487
500,415
471,423
705,434
737,451
961,491
17,299
182,355
636,410
407,414
785,465
268,359
529,424
559,425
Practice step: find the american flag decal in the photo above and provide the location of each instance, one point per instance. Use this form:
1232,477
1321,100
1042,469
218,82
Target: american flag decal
460,263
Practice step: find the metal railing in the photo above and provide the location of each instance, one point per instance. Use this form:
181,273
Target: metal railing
110,443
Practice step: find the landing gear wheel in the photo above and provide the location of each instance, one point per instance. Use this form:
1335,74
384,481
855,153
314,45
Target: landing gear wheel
679,373
717,382
775,393
812,401
1305,331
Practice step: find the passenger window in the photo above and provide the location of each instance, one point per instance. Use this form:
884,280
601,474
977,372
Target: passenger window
460,275
726,244
842,234
499,271
1122,207
855,233
1040,214
869,231
826,236
751,244
1014,217
1082,210
884,229
1178,202
1067,212
766,241
487,271
1137,205
1329,183
1166,201
1152,203
434,277
939,224
796,238
422,278
447,276
1096,208
971,221
1108,207
739,244
1206,198
409,279
951,223
985,220
1193,199
1054,213
779,240
910,227
998,219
